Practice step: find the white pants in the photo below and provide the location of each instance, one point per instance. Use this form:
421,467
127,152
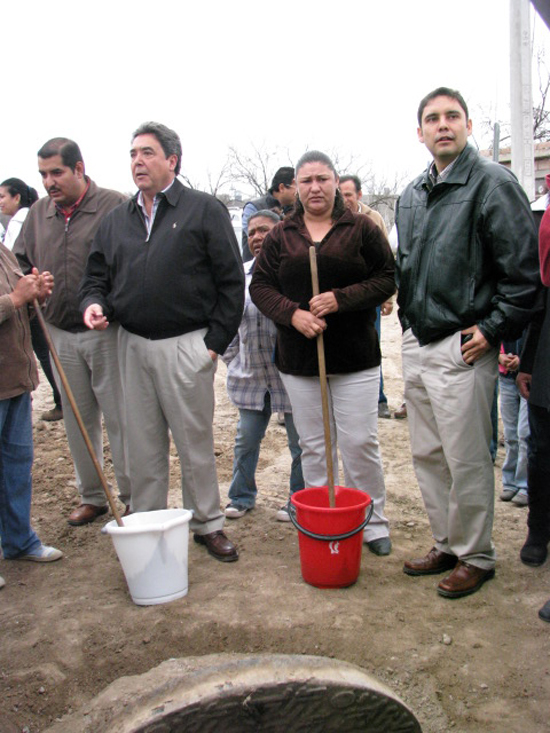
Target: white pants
353,412
169,384
449,414
91,364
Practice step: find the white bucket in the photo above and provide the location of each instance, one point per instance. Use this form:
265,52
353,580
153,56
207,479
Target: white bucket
153,550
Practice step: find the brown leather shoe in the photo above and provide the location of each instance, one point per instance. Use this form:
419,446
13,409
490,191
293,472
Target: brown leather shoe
464,579
431,564
218,545
401,412
85,513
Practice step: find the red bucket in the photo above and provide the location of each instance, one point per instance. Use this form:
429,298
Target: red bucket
330,538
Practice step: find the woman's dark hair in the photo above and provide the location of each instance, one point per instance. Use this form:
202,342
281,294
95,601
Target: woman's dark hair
17,186
315,156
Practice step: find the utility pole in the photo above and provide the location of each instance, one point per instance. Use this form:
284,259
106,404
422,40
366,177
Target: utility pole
521,97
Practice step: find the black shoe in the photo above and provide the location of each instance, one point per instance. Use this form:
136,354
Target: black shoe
380,547
544,612
534,552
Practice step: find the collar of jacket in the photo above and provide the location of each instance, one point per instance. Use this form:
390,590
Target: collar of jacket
296,220
460,172
171,196
88,204
270,201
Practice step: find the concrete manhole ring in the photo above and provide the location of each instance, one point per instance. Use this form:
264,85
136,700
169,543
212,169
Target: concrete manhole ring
238,693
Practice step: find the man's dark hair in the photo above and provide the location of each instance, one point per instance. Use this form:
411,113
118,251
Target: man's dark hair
267,213
441,92
284,175
355,179
67,149
168,139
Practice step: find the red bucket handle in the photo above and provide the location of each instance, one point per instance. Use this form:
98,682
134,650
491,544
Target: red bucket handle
328,537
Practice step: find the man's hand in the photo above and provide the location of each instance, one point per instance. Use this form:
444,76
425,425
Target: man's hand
26,290
307,324
323,304
213,354
94,318
523,383
476,346
387,307
509,361
45,284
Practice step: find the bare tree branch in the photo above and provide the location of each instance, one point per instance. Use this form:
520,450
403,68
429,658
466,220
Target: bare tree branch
255,168
219,180
541,109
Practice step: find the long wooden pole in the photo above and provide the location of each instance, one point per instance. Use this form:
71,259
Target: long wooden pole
323,383
77,415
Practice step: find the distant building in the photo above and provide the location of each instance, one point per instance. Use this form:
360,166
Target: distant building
542,164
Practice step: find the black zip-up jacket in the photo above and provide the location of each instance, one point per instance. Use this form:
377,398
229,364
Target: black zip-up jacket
186,275
467,253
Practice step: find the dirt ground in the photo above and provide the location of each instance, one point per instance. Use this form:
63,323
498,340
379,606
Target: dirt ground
480,664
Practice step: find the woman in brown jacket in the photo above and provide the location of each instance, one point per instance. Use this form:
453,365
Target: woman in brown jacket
356,269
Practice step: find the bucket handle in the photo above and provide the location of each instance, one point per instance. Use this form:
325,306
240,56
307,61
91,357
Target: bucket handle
328,537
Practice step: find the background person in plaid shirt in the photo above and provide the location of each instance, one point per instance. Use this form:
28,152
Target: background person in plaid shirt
255,387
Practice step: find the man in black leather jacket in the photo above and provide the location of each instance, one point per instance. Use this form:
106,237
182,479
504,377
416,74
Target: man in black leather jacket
467,279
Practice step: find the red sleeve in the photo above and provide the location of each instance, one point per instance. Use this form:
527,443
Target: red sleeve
544,248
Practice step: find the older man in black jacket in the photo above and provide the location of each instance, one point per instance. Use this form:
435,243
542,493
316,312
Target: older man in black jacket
166,266
467,279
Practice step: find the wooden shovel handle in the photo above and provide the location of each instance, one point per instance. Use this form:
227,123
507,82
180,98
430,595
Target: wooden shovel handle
323,383
77,414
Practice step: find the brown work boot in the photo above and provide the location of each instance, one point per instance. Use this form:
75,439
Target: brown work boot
431,564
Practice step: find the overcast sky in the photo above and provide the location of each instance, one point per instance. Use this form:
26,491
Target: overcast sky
298,74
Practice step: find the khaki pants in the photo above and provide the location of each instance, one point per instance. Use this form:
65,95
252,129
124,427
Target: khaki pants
449,414
91,364
169,385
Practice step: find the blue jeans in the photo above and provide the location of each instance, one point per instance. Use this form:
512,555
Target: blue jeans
378,325
494,423
16,454
515,419
250,432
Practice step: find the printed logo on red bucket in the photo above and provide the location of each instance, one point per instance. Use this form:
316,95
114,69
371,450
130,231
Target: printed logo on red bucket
330,538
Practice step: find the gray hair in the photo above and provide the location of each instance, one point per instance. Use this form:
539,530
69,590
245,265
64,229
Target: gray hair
268,215
168,139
